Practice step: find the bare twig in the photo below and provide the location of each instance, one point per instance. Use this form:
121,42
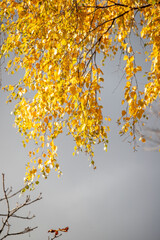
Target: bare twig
17,216
55,236
14,194
10,213
26,230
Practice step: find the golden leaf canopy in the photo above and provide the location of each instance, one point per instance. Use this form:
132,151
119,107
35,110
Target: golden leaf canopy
57,43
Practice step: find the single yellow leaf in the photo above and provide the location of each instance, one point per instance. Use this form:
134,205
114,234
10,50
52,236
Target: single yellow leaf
125,57
39,161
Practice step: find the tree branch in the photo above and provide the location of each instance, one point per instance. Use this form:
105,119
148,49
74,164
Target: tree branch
26,230
10,213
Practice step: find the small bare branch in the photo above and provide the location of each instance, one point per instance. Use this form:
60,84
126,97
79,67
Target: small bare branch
14,194
55,236
10,213
17,216
26,230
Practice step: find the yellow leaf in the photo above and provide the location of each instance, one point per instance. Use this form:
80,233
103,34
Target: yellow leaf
37,150
74,60
63,42
39,161
9,63
131,59
143,140
139,68
123,112
32,87
11,88
129,49
48,170
125,57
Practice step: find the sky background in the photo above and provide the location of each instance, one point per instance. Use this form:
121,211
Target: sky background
118,201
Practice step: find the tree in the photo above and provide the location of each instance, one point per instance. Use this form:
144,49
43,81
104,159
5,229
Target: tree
12,213
57,44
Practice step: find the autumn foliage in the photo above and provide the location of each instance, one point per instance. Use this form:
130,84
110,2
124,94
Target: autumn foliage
57,44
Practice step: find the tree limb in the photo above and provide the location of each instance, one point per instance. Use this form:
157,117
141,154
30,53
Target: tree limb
10,213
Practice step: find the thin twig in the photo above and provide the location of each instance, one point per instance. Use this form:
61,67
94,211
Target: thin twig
10,213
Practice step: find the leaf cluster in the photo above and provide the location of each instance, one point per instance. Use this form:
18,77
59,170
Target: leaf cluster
57,43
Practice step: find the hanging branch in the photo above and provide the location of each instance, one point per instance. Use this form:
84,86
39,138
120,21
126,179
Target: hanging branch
10,213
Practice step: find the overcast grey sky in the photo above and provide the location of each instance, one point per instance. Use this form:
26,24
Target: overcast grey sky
118,201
